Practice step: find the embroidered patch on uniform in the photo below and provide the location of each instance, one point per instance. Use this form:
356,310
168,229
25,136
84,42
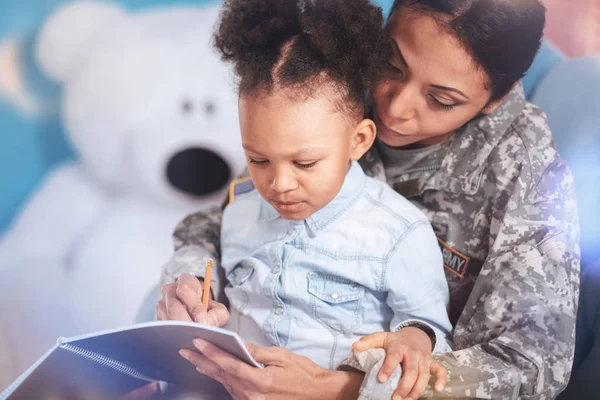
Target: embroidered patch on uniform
240,186
407,188
454,261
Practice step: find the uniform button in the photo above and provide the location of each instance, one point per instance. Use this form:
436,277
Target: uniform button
279,311
311,274
276,269
335,295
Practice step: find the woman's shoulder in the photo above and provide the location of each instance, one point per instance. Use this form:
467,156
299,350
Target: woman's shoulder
526,151
533,133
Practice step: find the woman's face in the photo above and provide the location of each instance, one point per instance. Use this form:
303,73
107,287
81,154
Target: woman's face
431,85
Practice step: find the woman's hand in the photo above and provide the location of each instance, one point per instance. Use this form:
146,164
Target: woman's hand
411,348
286,375
182,301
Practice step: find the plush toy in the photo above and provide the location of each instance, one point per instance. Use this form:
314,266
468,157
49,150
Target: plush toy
152,115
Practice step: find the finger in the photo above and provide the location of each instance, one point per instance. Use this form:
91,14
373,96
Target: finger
203,365
441,376
174,308
189,291
145,392
372,341
227,367
422,380
391,362
267,355
410,372
191,283
218,315
161,310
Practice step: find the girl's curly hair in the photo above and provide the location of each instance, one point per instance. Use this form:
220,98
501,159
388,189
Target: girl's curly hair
305,44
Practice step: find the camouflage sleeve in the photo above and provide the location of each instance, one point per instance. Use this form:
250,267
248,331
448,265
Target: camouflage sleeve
515,338
523,307
196,239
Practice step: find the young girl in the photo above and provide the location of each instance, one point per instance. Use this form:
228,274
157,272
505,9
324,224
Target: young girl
457,137
319,254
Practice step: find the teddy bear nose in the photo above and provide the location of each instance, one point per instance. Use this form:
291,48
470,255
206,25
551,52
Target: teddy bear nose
198,171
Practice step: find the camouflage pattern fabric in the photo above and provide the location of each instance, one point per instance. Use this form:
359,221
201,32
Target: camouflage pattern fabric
502,204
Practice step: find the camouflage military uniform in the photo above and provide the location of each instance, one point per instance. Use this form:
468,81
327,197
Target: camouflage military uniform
502,204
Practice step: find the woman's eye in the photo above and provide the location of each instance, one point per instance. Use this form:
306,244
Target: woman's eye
305,165
441,105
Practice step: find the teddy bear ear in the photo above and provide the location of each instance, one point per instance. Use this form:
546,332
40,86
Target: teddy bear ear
69,32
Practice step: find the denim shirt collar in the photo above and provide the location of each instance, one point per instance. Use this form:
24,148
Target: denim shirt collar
350,191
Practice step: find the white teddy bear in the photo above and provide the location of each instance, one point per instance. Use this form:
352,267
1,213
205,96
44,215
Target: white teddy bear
152,114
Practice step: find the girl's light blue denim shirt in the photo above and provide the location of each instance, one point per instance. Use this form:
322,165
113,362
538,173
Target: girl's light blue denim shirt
369,261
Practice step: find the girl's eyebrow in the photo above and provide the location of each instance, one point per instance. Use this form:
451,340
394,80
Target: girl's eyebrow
297,153
304,151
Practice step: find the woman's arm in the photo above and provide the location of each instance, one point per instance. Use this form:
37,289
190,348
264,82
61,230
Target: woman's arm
286,375
196,239
515,337
522,309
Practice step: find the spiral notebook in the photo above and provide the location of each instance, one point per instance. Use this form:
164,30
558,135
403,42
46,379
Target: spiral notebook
109,364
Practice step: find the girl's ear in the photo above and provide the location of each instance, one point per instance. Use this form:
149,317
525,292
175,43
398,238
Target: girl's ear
362,138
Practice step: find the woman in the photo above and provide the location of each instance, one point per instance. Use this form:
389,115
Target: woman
455,136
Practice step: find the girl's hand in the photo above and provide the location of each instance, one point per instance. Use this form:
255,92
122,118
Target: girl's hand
410,347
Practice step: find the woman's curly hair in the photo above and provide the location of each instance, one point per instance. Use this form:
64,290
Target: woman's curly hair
304,44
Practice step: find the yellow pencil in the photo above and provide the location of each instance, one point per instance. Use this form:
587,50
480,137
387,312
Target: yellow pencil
207,278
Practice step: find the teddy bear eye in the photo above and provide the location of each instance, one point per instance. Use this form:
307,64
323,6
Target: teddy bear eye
209,108
187,107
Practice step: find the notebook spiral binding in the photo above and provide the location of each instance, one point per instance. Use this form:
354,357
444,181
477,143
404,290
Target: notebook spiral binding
106,361
90,355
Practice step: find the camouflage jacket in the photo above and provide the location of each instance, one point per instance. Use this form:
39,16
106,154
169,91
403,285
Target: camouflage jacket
502,204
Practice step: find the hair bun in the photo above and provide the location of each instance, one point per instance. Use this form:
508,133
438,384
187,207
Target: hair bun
347,34
341,40
255,25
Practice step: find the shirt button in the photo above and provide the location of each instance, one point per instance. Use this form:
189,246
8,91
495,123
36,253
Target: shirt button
311,274
276,269
279,311
334,295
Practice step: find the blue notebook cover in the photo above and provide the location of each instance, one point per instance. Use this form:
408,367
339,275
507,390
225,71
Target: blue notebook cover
109,364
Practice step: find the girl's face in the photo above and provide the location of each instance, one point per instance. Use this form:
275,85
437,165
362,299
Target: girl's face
431,86
298,152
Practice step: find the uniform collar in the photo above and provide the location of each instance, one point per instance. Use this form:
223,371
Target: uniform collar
465,161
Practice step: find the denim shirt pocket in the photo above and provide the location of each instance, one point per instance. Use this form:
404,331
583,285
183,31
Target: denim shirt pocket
335,301
237,277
